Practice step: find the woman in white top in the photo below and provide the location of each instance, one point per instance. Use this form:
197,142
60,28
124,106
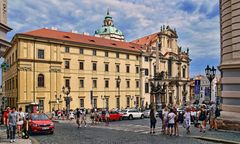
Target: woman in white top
187,118
171,121
20,120
165,119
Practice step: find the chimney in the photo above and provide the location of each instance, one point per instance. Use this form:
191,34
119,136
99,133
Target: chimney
97,35
54,28
74,31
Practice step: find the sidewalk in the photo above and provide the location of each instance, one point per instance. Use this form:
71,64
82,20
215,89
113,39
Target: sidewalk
4,140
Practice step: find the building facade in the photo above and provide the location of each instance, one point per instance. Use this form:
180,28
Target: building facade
230,58
173,62
103,71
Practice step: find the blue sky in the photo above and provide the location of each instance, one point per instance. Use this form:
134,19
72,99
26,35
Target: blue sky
196,21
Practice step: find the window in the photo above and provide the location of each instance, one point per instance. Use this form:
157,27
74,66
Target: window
16,55
82,102
13,57
66,64
12,83
137,83
128,83
117,68
128,101
81,51
67,83
146,59
107,102
67,49
184,72
117,55
127,56
118,102
95,102
106,54
41,54
94,85
137,69
40,80
81,83
146,87
41,105
81,65
170,68
146,72
127,68
94,52
94,66
106,83
106,67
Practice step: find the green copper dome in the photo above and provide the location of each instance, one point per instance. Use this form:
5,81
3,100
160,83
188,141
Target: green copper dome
108,30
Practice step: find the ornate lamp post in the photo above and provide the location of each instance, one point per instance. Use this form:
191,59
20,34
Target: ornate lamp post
210,73
68,99
103,99
118,85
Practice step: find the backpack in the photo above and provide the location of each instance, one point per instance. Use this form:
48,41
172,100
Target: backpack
202,116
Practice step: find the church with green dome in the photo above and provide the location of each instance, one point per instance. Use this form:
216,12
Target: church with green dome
108,30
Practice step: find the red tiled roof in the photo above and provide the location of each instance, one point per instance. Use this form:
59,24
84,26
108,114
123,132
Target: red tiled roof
80,38
146,40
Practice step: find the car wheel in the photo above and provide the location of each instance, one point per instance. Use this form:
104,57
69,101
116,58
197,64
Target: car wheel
120,118
52,132
142,116
30,132
130,117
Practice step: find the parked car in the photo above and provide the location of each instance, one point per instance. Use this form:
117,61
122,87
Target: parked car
147,113
113,115
132,113
40,123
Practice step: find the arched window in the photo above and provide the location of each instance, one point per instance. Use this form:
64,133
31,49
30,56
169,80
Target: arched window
40,80
184,71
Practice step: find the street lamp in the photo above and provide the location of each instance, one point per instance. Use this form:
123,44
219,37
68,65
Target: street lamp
118,85
66,91
210,73
103,98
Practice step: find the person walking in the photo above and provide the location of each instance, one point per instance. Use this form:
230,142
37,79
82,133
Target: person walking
187,119
78,115
83,118
12,121
92,116
213,114
165,120
176,125
20,120
202,116
171,120
153,121
107,116
5,121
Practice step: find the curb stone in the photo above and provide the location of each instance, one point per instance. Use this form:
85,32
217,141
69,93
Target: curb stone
215,140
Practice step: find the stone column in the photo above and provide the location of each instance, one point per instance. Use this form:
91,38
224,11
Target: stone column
230,63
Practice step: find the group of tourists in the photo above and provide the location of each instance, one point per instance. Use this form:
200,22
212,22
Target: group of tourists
81,117
13,120
170,118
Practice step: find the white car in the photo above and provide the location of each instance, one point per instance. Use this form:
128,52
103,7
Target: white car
132,113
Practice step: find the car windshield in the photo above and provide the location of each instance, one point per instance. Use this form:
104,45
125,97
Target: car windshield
39,117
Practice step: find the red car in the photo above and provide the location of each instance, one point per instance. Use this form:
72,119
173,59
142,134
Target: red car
113,115
40,123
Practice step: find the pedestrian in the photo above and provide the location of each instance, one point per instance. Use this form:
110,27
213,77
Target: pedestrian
165,120
171,120
153,121
83,118
92,116
53,114
78,114
59,114
5,121
12,121
213,114
187,119
107,116
202,116
20,120
176,125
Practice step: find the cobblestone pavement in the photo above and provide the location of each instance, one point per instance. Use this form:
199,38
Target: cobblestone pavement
4,140
121,132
